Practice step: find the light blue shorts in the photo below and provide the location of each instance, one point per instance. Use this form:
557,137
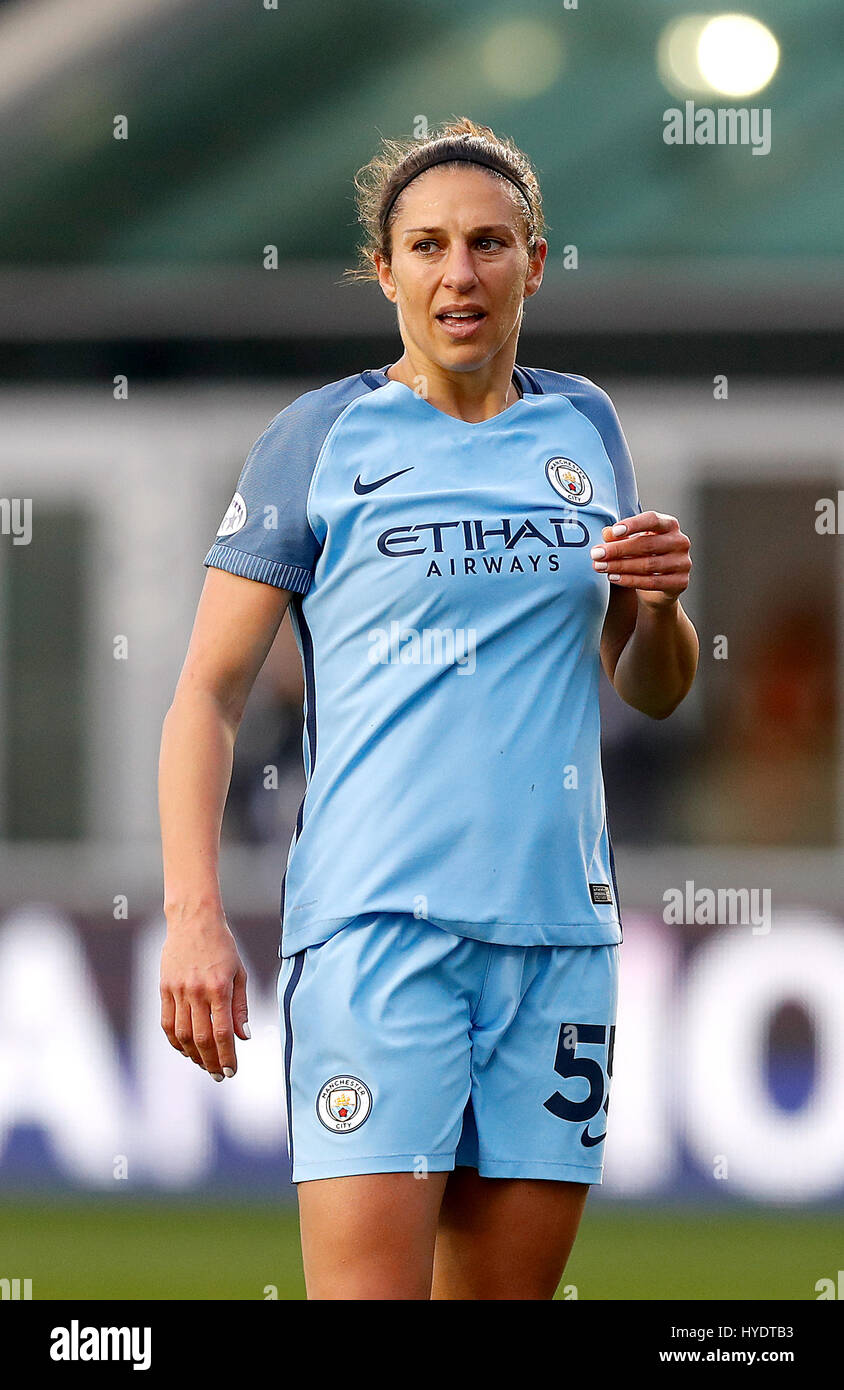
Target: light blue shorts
409,1049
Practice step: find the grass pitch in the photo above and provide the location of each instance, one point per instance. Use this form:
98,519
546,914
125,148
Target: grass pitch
153,1248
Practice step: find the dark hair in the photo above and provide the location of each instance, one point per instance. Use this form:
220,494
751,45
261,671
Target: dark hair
397,162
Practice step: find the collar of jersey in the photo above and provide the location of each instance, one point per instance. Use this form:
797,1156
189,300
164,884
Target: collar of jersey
520,380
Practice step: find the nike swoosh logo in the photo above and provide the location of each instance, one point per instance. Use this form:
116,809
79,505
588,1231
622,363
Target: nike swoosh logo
362,488
589,1141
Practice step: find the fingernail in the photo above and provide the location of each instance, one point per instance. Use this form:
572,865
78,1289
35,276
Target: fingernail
246,1032
601,564
216,1075
613,578
619,529
597,552
228,1071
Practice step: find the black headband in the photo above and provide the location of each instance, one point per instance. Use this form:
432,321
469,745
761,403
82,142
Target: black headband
489,162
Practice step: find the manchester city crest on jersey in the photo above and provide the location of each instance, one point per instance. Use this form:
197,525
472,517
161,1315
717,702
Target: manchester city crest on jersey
344,1104
569,480
234,518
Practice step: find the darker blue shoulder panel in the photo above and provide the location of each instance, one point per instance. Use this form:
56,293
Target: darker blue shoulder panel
265,534
599,410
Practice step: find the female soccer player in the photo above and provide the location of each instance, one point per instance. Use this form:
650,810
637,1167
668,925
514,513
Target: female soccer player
460,543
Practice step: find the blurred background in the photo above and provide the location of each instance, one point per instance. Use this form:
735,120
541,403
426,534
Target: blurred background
177,214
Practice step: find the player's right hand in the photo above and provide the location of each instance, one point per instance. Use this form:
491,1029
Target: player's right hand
203,994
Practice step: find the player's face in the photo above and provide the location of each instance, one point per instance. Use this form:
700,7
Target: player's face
459,240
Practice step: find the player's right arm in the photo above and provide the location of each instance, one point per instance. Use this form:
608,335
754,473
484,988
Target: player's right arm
203,981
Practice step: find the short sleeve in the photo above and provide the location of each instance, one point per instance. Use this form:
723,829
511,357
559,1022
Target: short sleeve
619,455
266,533
595,404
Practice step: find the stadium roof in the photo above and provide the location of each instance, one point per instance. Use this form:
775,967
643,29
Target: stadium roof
245,125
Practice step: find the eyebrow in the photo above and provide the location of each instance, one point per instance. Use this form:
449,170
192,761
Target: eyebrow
473,231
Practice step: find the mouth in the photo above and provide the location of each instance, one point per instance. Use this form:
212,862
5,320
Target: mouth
461,324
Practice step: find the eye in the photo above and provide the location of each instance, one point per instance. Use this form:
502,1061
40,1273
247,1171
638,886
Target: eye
427,242
490,240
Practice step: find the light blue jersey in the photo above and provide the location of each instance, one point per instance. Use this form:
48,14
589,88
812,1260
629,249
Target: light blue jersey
449,621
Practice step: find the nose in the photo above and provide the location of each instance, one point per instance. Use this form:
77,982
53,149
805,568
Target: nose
459,270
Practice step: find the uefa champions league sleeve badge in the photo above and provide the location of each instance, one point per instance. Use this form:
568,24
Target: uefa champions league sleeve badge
235,518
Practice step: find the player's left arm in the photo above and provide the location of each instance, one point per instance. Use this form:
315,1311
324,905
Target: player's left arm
649,647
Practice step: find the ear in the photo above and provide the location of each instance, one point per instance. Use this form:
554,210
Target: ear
536,266
385,277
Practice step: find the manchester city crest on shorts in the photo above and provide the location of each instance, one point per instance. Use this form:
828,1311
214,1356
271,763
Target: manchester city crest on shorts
569,480
344,1104
234,518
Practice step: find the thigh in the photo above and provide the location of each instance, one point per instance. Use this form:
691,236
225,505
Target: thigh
504,1238
370,1236
535,1133
375,1025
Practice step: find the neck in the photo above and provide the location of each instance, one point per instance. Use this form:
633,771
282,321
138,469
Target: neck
469,396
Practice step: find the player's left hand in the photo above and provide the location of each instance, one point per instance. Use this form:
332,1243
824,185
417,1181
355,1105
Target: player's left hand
647,552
